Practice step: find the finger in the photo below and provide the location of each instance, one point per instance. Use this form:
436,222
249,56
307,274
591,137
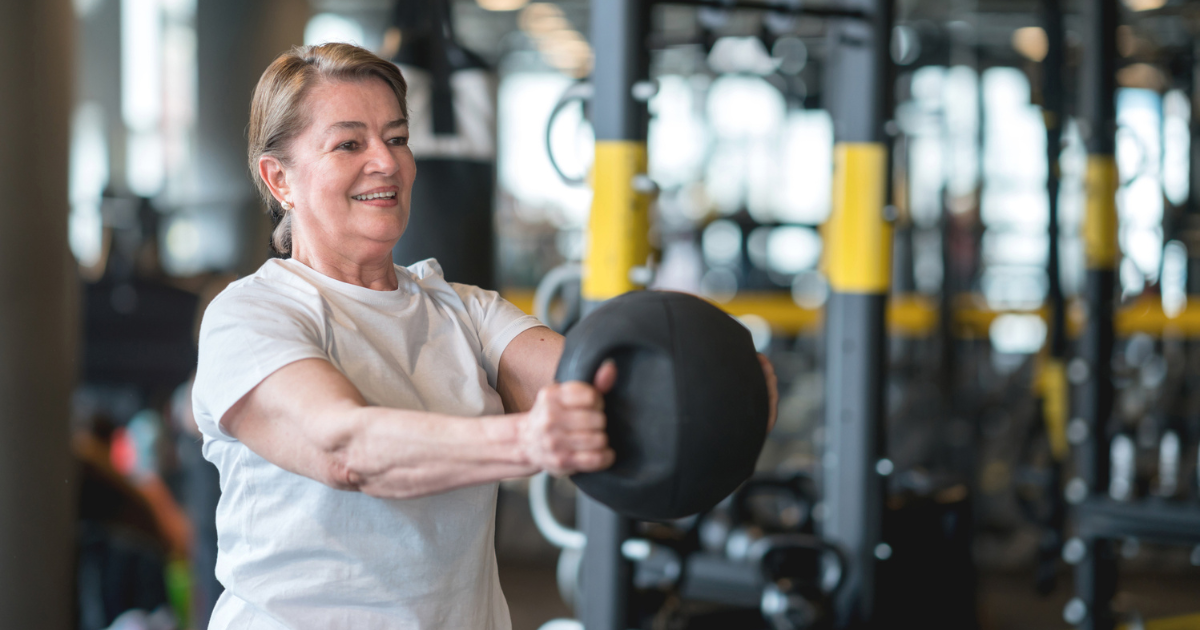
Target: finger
767,367
546,393
576,441
772,390
592,461
580,394
571,420
606,376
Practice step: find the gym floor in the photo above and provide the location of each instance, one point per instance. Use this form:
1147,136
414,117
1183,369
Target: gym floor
1158,583
1007,600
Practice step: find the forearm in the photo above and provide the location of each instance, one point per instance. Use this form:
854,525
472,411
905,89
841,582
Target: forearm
393,453
308,419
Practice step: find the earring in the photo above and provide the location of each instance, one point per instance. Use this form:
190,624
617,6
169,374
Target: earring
287,205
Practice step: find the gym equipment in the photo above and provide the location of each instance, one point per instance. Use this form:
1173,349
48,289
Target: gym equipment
688,414
452,137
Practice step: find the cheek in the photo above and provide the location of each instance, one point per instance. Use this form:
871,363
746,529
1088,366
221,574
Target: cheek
408,168
332,180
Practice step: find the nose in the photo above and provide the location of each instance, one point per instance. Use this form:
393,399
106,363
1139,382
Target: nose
380,160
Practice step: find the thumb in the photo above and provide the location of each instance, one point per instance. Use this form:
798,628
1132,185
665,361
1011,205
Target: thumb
606,376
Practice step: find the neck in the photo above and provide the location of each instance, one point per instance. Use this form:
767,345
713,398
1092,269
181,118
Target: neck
373,272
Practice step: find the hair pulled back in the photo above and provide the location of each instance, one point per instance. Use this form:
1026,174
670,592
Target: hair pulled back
278,113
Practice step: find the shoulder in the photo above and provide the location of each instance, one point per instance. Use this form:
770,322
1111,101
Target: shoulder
274,291
429,277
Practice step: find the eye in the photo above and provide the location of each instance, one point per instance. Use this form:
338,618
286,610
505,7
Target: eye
348,145
398,141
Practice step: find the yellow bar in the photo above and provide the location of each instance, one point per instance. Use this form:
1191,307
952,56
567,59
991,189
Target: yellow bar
618,229
858,240
1052,382
1100,217
916,316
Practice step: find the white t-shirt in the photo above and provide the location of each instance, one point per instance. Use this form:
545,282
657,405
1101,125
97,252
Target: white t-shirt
294,553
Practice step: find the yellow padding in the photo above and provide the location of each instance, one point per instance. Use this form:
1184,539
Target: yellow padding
618,229
858,240
1100,218
1053,385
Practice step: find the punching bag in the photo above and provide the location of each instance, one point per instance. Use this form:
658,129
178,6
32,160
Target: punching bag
452,131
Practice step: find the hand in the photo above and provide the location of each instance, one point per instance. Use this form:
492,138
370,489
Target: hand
564,431
772,390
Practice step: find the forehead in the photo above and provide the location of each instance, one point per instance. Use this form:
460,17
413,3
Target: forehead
369,101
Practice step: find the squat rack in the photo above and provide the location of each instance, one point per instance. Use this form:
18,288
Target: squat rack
859,251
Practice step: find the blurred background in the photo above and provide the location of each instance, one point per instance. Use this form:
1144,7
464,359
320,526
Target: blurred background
126,205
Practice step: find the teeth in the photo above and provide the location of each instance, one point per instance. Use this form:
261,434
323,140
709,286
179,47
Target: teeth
382,195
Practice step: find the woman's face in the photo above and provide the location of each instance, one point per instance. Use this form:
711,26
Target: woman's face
350,172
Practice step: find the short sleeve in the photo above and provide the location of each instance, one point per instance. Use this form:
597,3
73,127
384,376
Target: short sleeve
497,321
247,333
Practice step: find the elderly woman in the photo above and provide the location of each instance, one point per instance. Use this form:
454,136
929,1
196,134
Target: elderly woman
356,408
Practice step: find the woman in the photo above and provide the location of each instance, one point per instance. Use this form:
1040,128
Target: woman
355,408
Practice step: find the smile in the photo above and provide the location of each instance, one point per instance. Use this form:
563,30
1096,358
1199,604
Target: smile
378,195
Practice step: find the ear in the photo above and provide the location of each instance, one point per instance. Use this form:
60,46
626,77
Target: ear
270,169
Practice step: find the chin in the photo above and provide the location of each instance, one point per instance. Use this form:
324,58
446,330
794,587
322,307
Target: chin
386,231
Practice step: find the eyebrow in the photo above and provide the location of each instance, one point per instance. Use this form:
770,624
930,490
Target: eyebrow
354,124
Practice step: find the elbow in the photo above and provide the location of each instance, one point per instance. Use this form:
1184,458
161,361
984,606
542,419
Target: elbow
339,462
339,472
342,470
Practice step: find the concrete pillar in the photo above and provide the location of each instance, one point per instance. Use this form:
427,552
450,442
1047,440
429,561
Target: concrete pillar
37,316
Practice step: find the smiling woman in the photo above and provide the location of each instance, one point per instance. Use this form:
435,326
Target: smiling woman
280,113
356,409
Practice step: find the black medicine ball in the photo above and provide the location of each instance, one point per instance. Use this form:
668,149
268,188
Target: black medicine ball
687,417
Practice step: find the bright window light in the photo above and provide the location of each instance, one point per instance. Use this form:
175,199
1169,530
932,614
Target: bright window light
741,54
1012,247
1174,278
961,105
323,28
88,175
1014,287
523,168
792,249
805,173
141,64
1017,334
678,137
745,113
721,243
1140,200
1014,152
1177,114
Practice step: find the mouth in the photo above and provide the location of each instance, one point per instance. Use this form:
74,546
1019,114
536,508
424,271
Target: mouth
385,194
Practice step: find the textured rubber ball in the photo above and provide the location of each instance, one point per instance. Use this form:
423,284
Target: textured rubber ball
687,417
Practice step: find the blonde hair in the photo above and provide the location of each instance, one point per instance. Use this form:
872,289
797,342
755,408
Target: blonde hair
278,115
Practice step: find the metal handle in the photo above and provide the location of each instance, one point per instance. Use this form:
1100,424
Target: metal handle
539,504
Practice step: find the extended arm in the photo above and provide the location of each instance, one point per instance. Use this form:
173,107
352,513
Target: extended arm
527,365
309,419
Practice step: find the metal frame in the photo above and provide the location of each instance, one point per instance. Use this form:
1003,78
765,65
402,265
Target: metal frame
617,234
784,6
858,236
1096,573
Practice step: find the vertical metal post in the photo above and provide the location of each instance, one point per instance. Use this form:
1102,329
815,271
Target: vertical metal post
1095,576
858,246
1054,112
1053,379
616,243
37,316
